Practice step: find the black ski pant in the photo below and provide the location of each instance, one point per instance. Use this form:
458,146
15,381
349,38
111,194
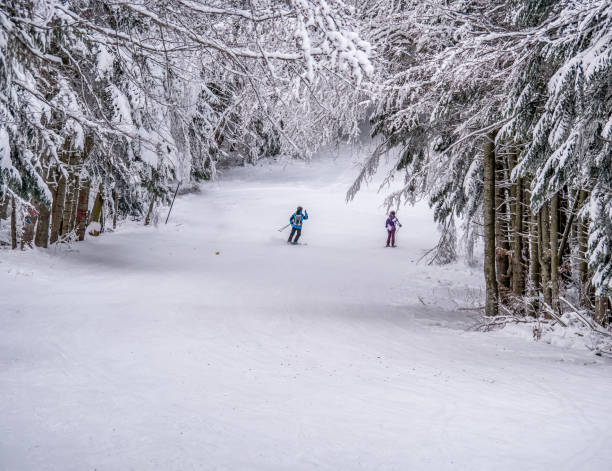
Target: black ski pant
295,230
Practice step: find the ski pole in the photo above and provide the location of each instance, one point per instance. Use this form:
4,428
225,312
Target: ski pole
284,227
172,204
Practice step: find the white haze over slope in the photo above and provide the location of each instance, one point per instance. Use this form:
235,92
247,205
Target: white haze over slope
144,350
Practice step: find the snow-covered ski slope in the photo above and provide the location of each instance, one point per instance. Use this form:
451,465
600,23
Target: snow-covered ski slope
145,350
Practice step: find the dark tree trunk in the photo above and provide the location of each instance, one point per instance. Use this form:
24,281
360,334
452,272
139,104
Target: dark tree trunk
83,206
115,208
492,293
71,190
4,207
518,281
502,248
534,262
601,310
13,224
544,251
42,228
554,249
75,204
150,211
569,228
583,267
57,209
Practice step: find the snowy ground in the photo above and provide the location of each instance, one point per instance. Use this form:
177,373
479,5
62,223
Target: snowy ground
145,350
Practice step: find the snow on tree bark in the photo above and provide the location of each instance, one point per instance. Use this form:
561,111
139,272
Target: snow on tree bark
96,213
82,208
41,238
57,209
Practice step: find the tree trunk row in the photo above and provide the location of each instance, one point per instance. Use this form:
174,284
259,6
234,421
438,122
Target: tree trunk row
67,216
531,259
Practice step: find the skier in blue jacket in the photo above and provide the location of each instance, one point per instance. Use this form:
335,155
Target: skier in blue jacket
296,221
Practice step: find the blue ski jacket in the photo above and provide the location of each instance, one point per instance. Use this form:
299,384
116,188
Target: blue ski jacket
292,219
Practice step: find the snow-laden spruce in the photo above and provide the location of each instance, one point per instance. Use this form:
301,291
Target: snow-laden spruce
499,113
122,100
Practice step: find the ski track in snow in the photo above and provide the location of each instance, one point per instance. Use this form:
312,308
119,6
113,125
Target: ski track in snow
144,350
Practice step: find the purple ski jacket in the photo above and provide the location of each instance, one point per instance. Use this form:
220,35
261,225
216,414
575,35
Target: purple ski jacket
390,222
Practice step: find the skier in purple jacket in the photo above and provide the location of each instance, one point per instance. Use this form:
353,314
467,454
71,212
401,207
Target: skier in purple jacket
390,225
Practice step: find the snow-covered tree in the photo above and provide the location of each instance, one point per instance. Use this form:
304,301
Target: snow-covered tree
492,107
121,99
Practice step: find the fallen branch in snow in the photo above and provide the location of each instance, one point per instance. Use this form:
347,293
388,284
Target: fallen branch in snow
550,311
573,327
491,323
587,322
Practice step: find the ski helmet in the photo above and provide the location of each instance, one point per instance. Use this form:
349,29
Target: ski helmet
299,208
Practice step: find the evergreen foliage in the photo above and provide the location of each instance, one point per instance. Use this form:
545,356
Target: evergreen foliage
538,75
125,99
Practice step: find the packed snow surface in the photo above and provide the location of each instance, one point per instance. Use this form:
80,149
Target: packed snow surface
146,350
